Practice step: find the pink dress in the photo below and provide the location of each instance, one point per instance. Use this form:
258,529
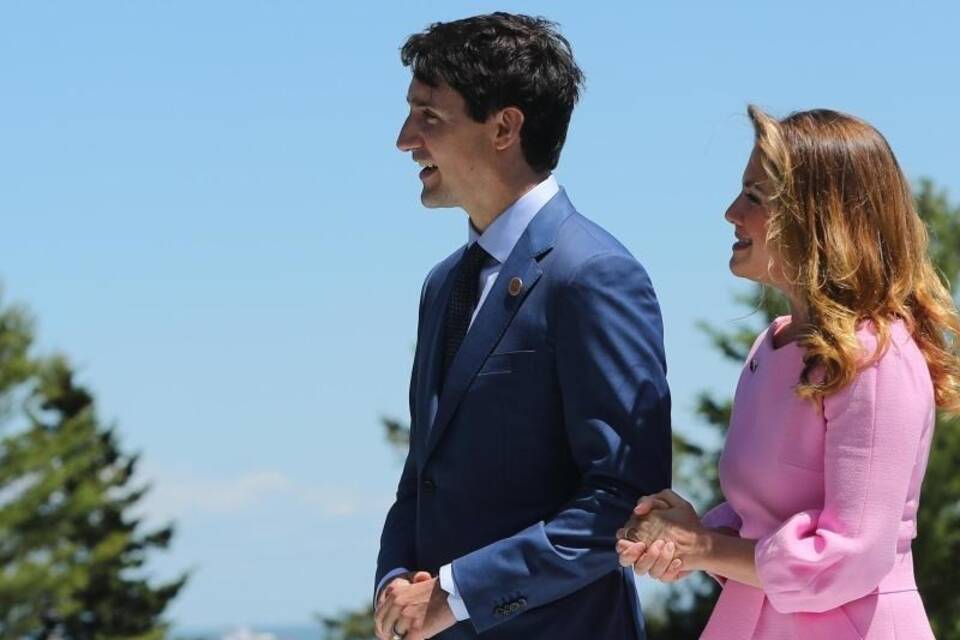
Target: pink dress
831,499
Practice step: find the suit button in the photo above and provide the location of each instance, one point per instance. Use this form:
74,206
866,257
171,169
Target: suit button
429,486
523,602
498,611
514,607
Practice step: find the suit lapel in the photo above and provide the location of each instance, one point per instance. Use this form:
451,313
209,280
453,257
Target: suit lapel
433,356
489,325
493,318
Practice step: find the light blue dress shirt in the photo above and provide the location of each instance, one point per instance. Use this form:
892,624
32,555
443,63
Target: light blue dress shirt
504,232
498,240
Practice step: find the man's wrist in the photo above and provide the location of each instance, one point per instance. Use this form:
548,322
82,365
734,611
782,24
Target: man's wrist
454,601
444,617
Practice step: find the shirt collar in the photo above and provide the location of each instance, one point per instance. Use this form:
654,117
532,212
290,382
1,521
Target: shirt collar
504,232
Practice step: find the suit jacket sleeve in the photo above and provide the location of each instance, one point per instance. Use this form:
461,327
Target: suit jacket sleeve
608,340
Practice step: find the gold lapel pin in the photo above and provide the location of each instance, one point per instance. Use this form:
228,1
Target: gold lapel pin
516,286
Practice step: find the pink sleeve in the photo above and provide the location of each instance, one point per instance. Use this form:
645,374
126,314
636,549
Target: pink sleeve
822,558
722,515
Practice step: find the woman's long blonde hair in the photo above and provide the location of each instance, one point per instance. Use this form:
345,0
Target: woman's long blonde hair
850,243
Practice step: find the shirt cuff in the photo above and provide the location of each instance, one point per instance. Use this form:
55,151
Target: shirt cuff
456,603
386,580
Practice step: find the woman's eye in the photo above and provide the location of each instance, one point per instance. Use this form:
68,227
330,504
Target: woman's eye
752,198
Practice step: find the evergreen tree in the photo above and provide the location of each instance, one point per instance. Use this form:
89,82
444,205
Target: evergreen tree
937,546
71,552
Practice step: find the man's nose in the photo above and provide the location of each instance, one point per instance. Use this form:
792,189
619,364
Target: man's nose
408,140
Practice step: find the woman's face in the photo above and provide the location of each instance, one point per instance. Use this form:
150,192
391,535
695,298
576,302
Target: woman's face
749,214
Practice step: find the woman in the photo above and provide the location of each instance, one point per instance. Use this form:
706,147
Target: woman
834,411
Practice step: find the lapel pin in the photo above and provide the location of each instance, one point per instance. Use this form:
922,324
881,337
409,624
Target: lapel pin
753,365
516,286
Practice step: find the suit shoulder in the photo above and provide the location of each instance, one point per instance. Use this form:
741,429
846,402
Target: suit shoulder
583,244
438,272
582,236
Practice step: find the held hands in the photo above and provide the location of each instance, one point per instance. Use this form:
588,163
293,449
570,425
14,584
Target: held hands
413,607
663,538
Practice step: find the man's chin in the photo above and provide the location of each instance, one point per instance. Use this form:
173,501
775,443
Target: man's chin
433,200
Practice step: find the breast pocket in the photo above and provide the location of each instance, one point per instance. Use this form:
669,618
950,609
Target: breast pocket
507,362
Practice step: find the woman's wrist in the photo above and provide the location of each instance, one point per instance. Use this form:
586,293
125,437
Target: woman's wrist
701,547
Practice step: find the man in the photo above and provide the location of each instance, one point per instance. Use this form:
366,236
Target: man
539,403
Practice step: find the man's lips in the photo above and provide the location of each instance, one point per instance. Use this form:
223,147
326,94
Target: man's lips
429,168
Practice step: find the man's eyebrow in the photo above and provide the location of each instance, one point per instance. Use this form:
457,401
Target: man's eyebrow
418,102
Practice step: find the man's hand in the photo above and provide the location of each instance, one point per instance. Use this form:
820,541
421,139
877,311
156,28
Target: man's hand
381,611
631,530
414,610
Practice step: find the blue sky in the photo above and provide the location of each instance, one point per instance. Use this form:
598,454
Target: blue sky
203,207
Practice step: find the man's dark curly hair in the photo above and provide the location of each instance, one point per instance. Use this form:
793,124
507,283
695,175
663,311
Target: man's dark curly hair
504,60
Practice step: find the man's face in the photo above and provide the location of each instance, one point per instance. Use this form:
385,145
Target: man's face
454,150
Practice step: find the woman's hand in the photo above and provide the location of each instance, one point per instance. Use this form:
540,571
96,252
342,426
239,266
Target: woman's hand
663,538
659,561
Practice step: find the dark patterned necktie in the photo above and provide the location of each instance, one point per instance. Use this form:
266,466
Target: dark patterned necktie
463,301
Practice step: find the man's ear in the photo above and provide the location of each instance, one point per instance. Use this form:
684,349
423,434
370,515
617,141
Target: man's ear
509,121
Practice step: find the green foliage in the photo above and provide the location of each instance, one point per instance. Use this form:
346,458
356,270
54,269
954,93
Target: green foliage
15,364
397,434
943,221
938,542
351,625
71,553
937,546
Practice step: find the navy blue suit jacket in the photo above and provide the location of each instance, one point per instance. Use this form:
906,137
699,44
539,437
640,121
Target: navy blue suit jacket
553,419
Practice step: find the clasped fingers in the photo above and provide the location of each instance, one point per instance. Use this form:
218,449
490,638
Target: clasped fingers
658,560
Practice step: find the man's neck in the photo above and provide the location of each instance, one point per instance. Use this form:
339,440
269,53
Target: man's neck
499,199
